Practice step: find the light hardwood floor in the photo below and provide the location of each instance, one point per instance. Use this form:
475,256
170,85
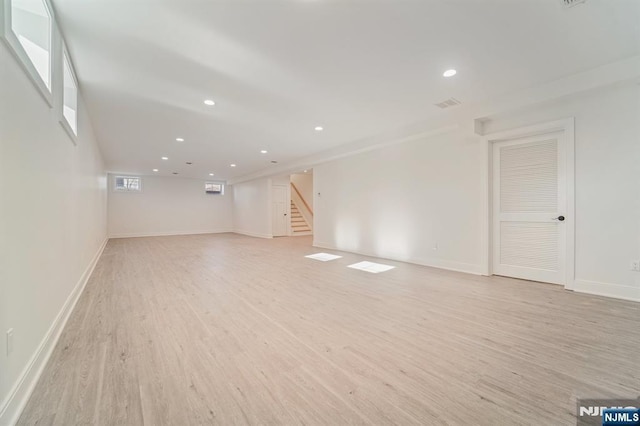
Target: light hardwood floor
226,329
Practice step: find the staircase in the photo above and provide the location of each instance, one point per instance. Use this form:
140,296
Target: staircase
299,226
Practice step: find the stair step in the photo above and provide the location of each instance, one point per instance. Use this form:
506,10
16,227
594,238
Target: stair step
298,222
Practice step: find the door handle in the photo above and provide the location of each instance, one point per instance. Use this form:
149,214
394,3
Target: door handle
559,218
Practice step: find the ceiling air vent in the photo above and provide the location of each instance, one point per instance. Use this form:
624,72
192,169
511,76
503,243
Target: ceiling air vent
448,103
571,3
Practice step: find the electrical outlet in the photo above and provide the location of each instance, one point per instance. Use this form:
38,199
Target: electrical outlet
635,265
9,341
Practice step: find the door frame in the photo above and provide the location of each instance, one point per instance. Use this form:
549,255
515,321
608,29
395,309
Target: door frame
287,191
567,127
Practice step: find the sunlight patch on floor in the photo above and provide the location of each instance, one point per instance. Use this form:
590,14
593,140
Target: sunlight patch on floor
323,257
372,267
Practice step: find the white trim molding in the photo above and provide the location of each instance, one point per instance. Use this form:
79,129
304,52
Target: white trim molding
15,402
252,234
566,126
616,291
342,151
169,233
467,268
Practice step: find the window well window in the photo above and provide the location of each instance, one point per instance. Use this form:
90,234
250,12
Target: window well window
128,184
29,34
70,96
214,188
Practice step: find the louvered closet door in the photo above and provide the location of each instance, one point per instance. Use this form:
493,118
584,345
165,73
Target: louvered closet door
529,204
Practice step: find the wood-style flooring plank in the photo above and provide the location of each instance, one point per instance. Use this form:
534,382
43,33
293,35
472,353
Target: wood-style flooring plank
226,329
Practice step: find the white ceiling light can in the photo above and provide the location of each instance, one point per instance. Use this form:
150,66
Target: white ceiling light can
165,158
318,128
232,165
449,73
155,170
264,151
180,139
209,102
210,174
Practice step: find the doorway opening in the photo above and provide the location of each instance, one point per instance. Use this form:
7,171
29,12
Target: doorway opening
302,203
530,231
292,204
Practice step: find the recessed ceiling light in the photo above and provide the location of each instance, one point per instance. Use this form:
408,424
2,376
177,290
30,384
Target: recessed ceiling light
155,170
209,102
210,174
232,165
305,171
165,158
189,163
180,139
450,73
263,151
318,128
175,173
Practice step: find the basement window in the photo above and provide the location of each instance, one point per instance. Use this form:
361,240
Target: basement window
70,96
214,188
28,30
127,184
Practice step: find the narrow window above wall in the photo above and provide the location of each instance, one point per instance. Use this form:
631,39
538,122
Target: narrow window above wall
70,96
28,30
214,188
127,184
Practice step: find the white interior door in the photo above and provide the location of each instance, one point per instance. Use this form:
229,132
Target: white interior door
529,208
280,210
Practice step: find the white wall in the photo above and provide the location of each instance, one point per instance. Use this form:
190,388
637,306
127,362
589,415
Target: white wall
168,206
401,201
304,183
252,208
52,224
607,132
281,180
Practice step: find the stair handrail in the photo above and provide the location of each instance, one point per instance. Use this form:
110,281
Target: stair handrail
293,185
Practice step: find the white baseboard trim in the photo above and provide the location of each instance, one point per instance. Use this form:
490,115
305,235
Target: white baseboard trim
15,402
168,234
467,268
252,234
616,291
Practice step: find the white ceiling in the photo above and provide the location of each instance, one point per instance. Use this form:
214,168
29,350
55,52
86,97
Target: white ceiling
277,69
